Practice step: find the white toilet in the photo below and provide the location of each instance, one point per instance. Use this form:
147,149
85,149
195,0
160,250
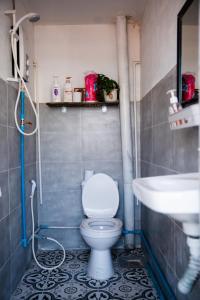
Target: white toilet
100,200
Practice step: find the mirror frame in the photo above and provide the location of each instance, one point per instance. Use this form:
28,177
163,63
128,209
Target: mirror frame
179,48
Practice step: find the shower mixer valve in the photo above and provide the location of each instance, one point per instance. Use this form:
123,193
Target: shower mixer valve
23,122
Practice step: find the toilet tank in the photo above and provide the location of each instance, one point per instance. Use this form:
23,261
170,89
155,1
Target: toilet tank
84,181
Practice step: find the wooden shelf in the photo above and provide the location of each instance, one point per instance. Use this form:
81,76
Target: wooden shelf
81,104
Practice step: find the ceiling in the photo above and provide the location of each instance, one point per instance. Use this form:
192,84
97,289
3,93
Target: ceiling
84,11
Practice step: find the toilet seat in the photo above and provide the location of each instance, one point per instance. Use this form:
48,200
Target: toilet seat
104,227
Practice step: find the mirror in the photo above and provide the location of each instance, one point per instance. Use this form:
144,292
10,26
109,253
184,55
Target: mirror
187,53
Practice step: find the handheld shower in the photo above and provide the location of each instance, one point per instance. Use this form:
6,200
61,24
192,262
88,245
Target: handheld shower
32,17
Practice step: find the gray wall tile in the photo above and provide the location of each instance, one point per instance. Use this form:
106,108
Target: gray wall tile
5,240
18,264
186,150
69,238
163,145
30,149
101,146
3,149
53,120
160,99
147,144
68,147
12,96
181,251
146,111
173,152
62,208
4,203
72,142
13,258
5,289
14,147
15,228
58,176
3,103
14,187
96,121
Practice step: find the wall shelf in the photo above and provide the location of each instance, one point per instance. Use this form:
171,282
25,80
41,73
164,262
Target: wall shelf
81,104
189,117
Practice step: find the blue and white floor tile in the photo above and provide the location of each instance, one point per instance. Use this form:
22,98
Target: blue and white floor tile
70,282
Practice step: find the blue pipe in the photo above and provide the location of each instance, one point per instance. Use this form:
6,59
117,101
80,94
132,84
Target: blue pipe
24,240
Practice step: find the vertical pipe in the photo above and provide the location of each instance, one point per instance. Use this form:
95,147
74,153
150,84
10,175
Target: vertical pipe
38,145
125,118
23,197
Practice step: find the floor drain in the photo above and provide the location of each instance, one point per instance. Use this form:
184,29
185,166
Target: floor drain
131,262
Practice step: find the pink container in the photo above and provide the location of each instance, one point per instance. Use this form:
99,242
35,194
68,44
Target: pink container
188,87
91,87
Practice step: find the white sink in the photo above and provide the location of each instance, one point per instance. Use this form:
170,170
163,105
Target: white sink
174,195
179,197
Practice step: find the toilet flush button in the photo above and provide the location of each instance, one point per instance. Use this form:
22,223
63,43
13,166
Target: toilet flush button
101,227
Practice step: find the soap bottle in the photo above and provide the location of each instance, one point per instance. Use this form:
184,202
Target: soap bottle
68,95
174,105
56,95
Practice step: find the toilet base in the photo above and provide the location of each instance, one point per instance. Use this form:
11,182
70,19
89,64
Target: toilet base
100,265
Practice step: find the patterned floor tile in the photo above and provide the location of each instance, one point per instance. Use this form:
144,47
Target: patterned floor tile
70,281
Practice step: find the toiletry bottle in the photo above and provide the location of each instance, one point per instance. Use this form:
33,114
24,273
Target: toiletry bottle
56,96
68,95
174,107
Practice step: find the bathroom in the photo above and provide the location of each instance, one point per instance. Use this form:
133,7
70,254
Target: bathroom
78,148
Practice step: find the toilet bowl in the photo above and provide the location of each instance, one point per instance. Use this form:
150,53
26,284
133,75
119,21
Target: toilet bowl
100,200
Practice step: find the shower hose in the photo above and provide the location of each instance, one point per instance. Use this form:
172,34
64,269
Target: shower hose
22,85
47,238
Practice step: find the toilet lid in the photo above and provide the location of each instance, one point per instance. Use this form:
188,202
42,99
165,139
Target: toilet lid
100,197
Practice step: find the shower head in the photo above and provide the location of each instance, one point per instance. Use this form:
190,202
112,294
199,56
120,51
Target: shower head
32,17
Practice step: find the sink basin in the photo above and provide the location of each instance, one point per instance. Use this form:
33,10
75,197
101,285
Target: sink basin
174,195
179,197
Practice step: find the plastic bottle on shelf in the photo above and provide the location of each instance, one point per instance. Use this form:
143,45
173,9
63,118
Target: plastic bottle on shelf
174,107
56,95
68,95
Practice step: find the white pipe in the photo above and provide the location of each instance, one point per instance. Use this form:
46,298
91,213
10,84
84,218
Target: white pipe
15,46
136,75
123,70
38,135
137,172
